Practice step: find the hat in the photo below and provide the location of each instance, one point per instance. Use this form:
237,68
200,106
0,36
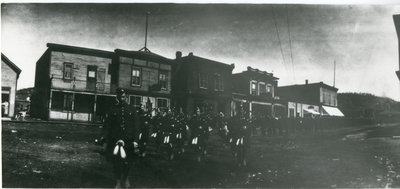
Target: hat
120,91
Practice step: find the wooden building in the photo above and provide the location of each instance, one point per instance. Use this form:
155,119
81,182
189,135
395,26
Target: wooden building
9,77
145,76
203,83
72,83
310,99
255,91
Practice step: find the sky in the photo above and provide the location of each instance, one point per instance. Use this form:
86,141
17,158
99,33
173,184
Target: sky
293,41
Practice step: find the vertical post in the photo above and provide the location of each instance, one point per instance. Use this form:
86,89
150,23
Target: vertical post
94,108
50,99
147,24
73,106
334,72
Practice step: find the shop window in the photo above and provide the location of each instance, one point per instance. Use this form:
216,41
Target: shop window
135,101
61,101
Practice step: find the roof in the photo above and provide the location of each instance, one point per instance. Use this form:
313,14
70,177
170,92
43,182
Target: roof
257,72
80,50
144,54
200,60
11,64
320,84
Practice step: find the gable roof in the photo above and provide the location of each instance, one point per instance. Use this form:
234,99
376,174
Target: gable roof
11,64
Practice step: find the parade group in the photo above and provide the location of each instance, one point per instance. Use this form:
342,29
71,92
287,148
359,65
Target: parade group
128,131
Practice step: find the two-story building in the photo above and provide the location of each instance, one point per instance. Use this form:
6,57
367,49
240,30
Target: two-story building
202,83
9,77
310,99
145,76
255,91
72,83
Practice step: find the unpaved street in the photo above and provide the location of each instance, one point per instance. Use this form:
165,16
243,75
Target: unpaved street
64,155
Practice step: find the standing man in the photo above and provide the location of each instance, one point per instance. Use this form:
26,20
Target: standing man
121,133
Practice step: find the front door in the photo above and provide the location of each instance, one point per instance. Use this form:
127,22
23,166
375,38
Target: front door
91,78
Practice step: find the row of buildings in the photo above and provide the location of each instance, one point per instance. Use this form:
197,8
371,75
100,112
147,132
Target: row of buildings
74,83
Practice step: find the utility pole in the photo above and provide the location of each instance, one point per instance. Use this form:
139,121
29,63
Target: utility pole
145,37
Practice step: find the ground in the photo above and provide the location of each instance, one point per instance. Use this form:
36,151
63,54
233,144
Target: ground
64,155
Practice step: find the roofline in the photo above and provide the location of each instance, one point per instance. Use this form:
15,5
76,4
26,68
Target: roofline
304,85
244,72
11,64
150,55
208,60
80,50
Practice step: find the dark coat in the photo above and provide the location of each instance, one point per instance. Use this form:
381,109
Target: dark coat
122,123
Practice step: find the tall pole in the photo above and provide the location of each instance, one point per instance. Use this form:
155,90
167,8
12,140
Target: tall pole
147,24
334,72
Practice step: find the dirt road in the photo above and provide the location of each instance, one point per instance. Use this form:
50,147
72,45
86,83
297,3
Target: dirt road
63,155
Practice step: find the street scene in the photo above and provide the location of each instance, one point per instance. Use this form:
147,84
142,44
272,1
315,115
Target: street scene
174,95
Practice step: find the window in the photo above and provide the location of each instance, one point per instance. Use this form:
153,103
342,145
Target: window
61,101
269,90
218,83
68,70
135,101
253,88
203,82
135,77
162,103
261,88
92,74
162,80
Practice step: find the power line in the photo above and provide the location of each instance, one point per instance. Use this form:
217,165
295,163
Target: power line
279,38
290,40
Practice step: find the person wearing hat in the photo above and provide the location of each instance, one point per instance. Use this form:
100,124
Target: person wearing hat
121,133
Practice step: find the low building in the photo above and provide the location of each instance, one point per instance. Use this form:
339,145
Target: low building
72,83
9,77
145,76
23,99
202,83
310,99
255,91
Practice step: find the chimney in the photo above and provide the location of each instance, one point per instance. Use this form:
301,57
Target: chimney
306,81
191,54
178,55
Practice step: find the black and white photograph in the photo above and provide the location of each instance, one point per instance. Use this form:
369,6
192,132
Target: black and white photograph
202,94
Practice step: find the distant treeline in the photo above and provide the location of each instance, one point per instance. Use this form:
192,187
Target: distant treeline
365,105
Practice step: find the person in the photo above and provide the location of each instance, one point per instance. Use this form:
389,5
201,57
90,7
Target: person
121,133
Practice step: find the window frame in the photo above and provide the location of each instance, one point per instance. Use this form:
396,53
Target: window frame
256,91
65,64
158,104
218,82
139,77
203,79
160,82
135,96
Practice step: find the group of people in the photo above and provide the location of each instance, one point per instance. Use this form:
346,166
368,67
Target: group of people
128,131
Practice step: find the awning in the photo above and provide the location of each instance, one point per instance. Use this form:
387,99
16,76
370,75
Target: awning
312,111
333,111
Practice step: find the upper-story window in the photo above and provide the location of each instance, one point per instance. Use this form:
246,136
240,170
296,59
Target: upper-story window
203,82
218,83
162,80
269,90
68,70
136,74
253,87
262,90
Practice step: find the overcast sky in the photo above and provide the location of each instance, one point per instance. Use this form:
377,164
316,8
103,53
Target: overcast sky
361,39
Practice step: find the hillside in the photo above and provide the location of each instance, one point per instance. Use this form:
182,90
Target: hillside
367,105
